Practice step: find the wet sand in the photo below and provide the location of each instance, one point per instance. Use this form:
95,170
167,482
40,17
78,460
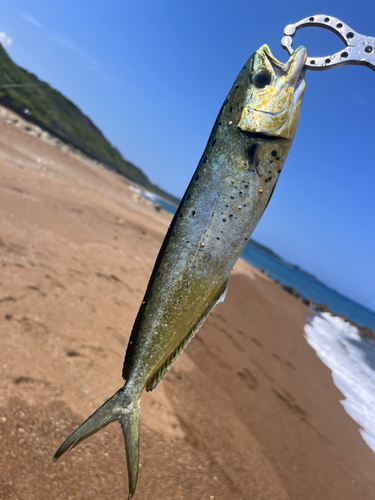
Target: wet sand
247,412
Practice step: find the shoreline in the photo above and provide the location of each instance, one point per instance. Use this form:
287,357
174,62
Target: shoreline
364,331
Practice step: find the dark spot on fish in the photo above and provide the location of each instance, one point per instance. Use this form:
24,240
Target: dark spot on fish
279,170
193,267
224,220
230,109
244,205
217,237
237,105
226,102
236,218
210,256
246,185
180,215
205,159
232,197
219,123
196,177
252,152
274,153
235,187
240,192
188,197
266,180
173,234
269,178
271,161
193,212
221,232
230,215
213,143
236,87
158,274
226,206
166,253
277,158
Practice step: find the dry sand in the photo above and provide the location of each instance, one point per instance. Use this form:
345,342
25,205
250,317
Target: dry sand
247,412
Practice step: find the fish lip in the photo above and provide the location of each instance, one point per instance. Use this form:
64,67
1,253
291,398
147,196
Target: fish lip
299,85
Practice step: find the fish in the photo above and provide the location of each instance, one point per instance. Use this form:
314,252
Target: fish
226,198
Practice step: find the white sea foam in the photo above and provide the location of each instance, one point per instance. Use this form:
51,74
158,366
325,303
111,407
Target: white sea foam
337,344
142,192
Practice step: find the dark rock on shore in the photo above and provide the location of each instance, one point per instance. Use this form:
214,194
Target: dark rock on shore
364,331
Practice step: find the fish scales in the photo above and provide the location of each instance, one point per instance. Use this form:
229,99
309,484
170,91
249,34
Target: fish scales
223,203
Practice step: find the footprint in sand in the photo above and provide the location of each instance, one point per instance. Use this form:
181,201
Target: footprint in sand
33,384
287,363
9,298
33,327
289,401
109,277
250,380
12,248
36,289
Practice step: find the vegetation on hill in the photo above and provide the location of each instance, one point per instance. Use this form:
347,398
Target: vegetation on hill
24,90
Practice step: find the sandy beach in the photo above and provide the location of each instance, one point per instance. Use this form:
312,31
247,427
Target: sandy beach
247,412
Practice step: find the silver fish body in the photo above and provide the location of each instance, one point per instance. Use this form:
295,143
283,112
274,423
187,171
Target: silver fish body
223,203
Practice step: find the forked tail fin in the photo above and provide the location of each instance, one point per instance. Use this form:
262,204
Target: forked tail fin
116,408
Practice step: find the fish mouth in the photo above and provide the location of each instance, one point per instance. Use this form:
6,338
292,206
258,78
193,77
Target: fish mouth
278,113
293,67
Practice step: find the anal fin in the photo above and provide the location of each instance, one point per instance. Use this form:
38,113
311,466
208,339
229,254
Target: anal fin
157,376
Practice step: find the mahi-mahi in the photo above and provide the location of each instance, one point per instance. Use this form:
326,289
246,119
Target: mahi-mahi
223,203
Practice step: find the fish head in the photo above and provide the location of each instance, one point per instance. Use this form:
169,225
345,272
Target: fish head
272,101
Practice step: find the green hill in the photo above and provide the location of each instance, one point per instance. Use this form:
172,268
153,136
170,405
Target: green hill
23,90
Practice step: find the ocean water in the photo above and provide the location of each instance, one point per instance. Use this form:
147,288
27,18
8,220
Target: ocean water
310,288
337,343
352,362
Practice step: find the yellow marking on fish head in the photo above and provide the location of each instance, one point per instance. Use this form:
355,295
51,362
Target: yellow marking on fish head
274,97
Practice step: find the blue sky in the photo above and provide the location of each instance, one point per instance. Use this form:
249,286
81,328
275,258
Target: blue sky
153,75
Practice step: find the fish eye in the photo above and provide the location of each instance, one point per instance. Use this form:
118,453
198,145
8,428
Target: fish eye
262,78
